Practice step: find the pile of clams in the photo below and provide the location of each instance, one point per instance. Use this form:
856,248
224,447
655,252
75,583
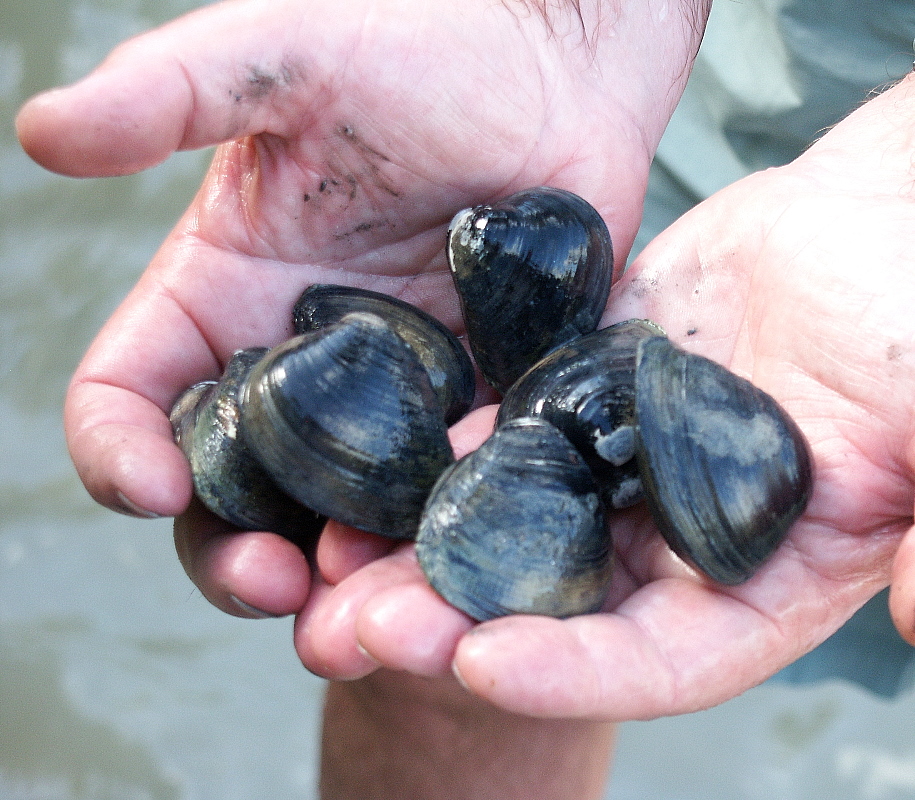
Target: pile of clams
349,420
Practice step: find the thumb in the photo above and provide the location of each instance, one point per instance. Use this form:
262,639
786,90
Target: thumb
211,76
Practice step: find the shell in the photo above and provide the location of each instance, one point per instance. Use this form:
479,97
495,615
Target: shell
450,368
533,272
586,388
517,526
346,421
726,471
228,480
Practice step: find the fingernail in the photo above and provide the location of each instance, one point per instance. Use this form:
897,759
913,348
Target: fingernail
127,506
366,654
460,678
251,611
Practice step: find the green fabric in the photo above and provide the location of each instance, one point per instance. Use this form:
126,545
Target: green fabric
771,76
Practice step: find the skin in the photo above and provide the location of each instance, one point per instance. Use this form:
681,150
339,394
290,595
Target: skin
348,138
798,278
327,174
441,745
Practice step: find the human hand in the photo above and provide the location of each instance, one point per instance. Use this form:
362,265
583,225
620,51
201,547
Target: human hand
799,278
352,134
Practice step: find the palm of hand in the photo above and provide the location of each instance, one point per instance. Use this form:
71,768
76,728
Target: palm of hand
811,305
782,293
807,300
350,154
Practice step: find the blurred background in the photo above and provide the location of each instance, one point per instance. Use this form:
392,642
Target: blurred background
117,679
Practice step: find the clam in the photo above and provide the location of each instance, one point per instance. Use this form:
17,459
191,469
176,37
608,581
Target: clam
517,526
228,480
723,467
346,421
349,418
726,471
533,271
586,388
449,367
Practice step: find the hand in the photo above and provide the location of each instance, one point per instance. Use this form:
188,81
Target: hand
801,279
352,134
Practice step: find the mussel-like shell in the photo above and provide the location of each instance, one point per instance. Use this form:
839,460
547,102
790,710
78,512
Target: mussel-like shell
586,388
533,271
346,421
517,526
450,368
726,471
228,479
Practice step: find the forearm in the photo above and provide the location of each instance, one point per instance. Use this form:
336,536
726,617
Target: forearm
393,735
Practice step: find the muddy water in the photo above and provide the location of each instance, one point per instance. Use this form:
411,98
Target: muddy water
117,680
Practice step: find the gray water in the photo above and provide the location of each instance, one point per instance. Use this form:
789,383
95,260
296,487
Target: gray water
117,679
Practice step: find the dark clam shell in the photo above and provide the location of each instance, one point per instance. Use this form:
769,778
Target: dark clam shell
517,527
450,368
533,272
586,388
346,421
228,480
726,471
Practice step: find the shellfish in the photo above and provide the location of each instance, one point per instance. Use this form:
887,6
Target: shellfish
586,388
445,359
345,420
349,419
532,271
228,479
726,470
517,526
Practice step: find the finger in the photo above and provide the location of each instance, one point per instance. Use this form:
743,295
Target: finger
409,627
613,666
902,588
128,464
214,75
244,573
325,632
115,416
468,433
676,646
343,550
